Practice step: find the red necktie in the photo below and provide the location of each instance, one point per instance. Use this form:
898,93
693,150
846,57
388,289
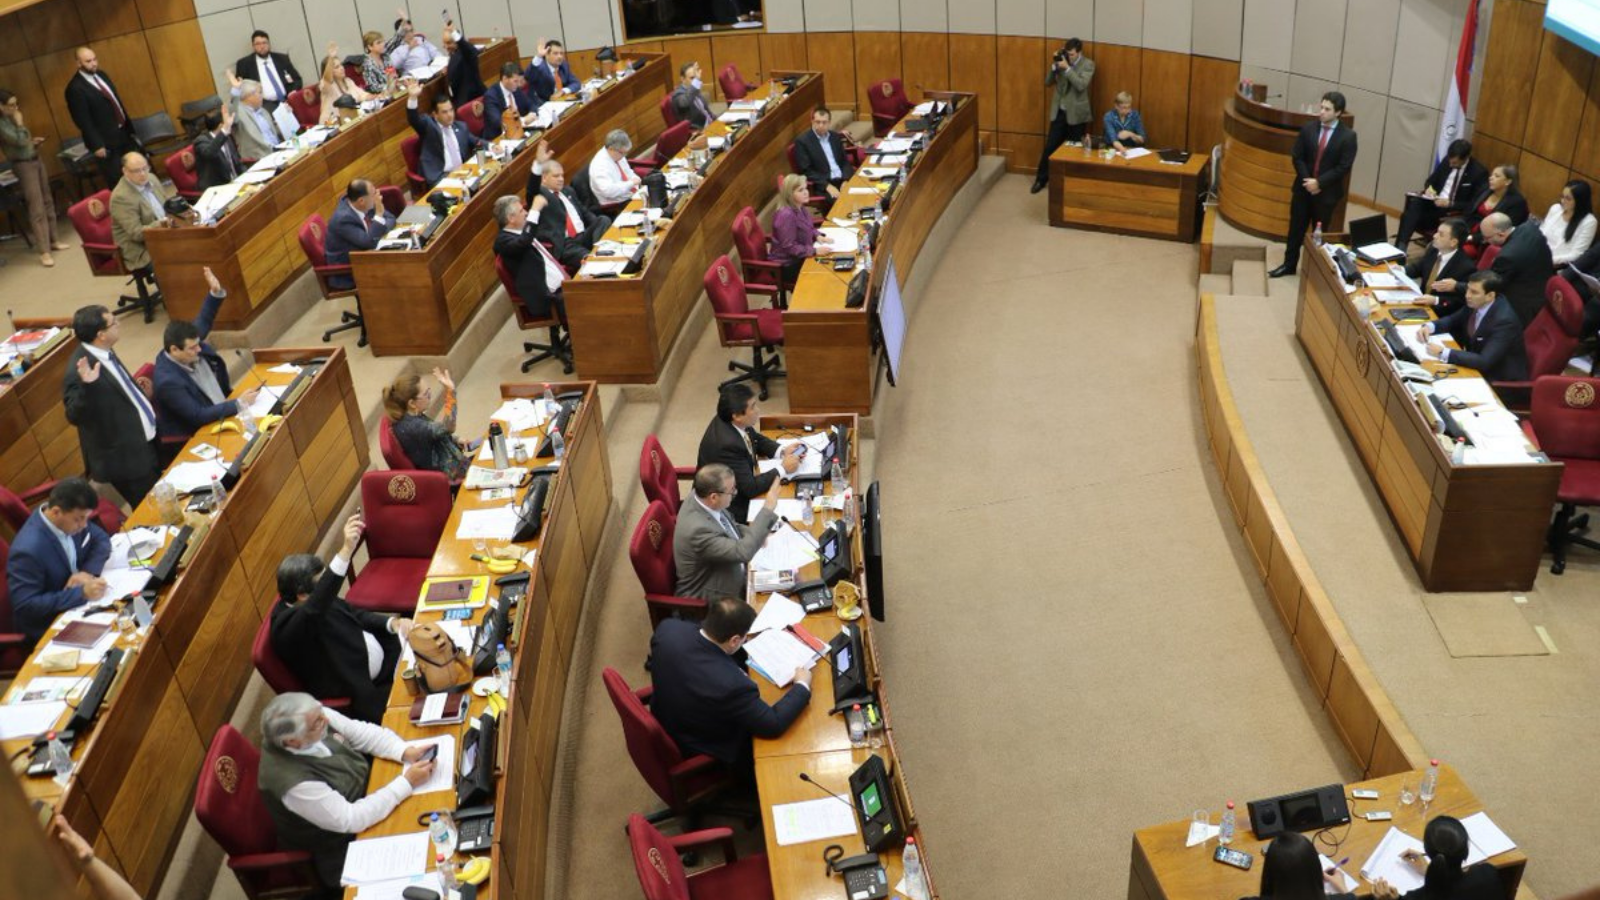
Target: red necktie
1316,165
121,119
623,168
571,229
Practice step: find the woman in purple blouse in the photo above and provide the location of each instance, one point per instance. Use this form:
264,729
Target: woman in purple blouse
794,235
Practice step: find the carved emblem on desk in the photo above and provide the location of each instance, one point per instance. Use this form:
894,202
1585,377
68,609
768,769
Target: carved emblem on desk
227,772
661,867
1580,395
402,489
1363,356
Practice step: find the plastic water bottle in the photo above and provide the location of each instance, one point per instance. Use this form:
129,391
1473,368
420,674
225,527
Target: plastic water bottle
857,725
1458,453
18,366
558,443
219,494
808,515
1316,235
60,758
911,864
247,421
866,255
1430,782
447,873
1225,833
442,830
502,669
648,226
836,477
549,401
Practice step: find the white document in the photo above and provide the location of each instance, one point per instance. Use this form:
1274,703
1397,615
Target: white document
812,820
863,190
479,477
594,268
285,369
26,720
734,116
878,173
1471,391
747,105
1405,280
265,399
776,654
394,888
895,145
629,219
496,523
1382,280
779,613
1412,336
49,688
1394,296
137,543
1135,153
486,453
124,582
1200,832
283,117
385,858
1350,884
1385,861
792,510
191,476
784,549
254,176
1486,837
216,198
676,180
520,414
1381,250
272,161
444,765
841,240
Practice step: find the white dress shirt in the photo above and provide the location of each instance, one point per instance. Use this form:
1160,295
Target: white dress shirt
554,274
827,151
1563,251
1448,190
611,180
107,368
269,87
322,806
406,59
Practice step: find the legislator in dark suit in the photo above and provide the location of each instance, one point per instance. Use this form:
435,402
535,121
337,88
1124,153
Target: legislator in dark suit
813,162
690,106
38,569
723,443
530,266
1480,882
1512,204
1324,151
461,73
542,80
216,160
495,105
712,549
706,701
1524,265
351,229
1493,346
116,422
1458,184
434,157
569,226
103,120
182,405
323,640
1425,270
252,68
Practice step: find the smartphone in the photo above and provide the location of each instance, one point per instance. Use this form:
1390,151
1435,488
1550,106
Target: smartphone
1236,858
1379,816
1364,794
444,14
433,750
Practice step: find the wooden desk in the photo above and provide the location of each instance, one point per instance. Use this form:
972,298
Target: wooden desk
418,302
828,348
137,768
544,631
623,328
797,870
1164,869
255,249
37,443
1143,196
1257,173
1467,527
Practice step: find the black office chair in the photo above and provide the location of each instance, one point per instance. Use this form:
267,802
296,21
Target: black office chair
158,135
192,115
80,164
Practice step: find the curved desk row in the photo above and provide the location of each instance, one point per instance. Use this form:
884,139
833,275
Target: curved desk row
130,795
37,443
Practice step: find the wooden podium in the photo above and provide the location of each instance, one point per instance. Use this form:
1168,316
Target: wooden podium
1257,173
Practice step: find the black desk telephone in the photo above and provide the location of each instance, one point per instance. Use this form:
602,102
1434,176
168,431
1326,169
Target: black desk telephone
864,876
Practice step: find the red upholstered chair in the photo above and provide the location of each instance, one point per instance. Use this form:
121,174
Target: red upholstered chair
668,145
411,152
650,551
661,873
16,507
1486,256
405,513
229,807
389,445
668,114
471,113
354,73
1550,339
739,326
180,166
560,346
91,218
145,378
1566,425
393,199
889,105
275,672
734,87
750,239
685,784
313,234
13,646
659,477
306,104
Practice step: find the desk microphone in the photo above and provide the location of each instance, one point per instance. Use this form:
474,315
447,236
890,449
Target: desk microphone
808,780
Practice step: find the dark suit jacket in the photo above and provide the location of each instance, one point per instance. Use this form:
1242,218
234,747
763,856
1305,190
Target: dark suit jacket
350,230
246,68
319,639
433,143
96,118
1473,179
461,73
1525,264
109,431
1512,204
1337,158
808,156
527,266
1459,266
1480,882
706,701
552,227
494,109
542,83
686,109
38,571
722,444
1496,349
213,153
181,407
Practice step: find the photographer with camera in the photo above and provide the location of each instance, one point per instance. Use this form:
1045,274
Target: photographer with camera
1070,74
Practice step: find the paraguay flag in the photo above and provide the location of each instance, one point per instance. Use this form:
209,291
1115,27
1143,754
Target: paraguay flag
1454,122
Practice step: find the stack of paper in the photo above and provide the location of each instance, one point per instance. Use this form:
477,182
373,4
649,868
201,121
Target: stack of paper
841,240
520,414
264,400
792,510
444,765
777,654
1382,280
779,613
192,476
384,859
595,268
784,549
1385,861
25,720
497,523
812,820
479,478
1485,837
734,116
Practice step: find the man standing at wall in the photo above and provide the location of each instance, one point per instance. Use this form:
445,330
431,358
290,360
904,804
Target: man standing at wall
1322,156
1070,74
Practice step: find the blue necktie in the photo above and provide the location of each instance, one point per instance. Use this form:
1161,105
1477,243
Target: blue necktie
272,75
139,401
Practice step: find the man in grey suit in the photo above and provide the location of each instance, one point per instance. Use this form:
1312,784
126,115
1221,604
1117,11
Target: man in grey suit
1070,115
711,549
256,131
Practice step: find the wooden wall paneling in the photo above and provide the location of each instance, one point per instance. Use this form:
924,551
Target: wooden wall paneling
206,638
1540,180
833,54
581,61
1163,98
107,18
13,43
53,71
1515,39
22,79
1023,102
743,51
687,50
185,75
165,12
877,59
127,59
1558,92
972,69
1350,707
783,51
1020,150
51,27
1586,154
1116,68
924,61
1493,152
1211,82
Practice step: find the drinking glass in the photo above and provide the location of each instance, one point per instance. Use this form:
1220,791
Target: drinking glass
479,545
1202,819
1407,795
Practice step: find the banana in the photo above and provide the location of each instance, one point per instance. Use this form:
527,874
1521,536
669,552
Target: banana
226,425
475,872
496,566
269,422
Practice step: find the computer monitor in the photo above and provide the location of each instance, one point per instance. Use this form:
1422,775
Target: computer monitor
477,764
838,556
849,665
872,551
892,320
875,805
838,448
